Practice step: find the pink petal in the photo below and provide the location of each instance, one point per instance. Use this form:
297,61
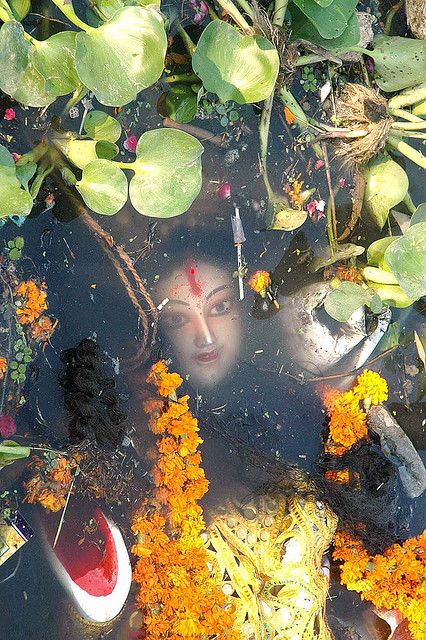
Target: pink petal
342,182
130,144
311,207
9,114
7,426
319,164
224,191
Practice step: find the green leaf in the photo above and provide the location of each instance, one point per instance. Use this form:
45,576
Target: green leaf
376,250
386,185
81,152
54,59
126,55
179,104
19,242
13,199
19,78
330,22
399,62
287,219
15,254
25,172
305,30
343,301
323,3
109,8
11,451
391,337
101,126
235,67
407,260
103,187
167,173
419,215
20,8
375,304
392,295
327,258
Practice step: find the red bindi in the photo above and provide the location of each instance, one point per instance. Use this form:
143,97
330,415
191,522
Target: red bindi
190,272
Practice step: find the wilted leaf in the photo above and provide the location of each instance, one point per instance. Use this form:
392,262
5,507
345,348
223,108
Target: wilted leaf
343,252
11,451
167,173
386,185
407,260
126,55
233,66
399,62
420,348
286,219
101,126
103,187
341,303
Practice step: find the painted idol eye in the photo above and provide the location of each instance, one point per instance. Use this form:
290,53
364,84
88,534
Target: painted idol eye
221,308
174,320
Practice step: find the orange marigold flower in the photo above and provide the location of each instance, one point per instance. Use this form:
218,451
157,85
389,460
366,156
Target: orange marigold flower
259,281
351,274
3,367
342,477
370,385
31,301
167,383
347,421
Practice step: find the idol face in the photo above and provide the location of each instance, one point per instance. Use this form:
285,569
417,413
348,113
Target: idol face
201,321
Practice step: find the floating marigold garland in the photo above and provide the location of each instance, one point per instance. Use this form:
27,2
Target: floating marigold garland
178,595
395,579
348,422
51,481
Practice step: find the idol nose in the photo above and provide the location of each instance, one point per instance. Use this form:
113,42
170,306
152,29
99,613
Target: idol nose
204,335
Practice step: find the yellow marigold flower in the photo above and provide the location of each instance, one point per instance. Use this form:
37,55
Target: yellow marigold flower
167,383
372,386
3,367
260,281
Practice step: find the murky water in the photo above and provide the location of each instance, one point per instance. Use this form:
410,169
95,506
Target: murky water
244,378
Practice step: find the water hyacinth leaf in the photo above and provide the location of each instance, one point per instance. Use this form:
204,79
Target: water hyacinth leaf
392,295
20,8
180,103
101,126
375,304
25,173
54,59
341,303
167,173
327,258
7,164
386,185
286,219
103,187
19,78
233,66
330,22
419,215
82,152
399,62
305,30
14,201
376,251
108,8
11,451
323,3
407,260
126,55
419,109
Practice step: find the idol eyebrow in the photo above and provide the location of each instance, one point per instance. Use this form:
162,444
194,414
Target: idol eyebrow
174,301
224,286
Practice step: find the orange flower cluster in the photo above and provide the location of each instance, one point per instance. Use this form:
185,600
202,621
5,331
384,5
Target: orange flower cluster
350,274
394,580
179,598
31,301
259,282
294,192
42,329
51,483
3,367
348,422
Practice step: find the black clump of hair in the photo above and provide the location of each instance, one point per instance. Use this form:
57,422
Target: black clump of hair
90,396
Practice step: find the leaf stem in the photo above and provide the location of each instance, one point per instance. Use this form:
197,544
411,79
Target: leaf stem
408,97
408,151
77,95
410,126
35,155
123,165
407,115
237,16
246,7
390,16
279,12
68,11
264,125
190,45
